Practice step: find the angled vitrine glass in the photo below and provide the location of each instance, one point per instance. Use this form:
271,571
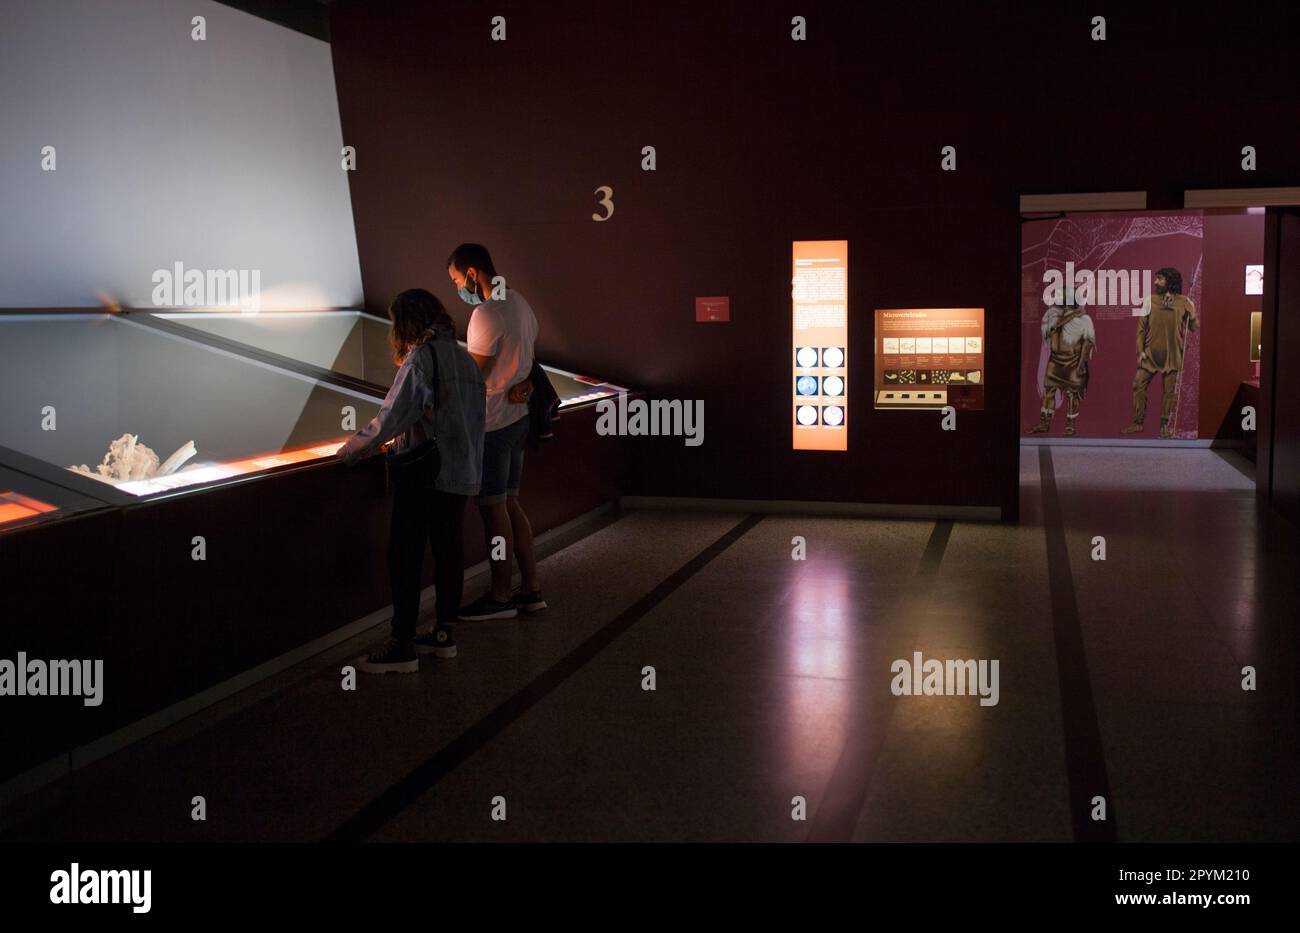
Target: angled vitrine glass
104,405
352,344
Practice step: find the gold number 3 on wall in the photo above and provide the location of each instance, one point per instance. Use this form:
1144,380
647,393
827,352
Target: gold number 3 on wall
606,201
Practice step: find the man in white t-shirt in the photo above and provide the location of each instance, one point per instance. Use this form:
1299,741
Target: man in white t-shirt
501,333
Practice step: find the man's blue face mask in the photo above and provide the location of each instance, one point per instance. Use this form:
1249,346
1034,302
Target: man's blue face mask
467,296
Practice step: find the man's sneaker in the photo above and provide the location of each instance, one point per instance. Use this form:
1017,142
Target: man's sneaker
529,602
441,643
396,657
487,607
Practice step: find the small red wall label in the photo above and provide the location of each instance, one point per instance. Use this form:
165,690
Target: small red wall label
713,309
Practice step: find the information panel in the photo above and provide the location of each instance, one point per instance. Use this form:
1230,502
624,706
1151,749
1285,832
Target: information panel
930,358
819,354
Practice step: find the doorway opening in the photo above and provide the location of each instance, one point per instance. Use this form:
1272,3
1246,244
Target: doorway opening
1142,329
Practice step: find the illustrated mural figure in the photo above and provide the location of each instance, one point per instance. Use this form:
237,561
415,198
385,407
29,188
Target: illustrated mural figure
1071,339
1166,318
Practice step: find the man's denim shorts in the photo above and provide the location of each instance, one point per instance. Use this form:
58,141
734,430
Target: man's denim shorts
503,462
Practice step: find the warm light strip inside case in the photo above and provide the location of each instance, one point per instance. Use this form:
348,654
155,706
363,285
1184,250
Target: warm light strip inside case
15,507
216,471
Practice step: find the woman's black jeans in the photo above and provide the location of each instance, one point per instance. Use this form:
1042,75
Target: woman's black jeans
422,514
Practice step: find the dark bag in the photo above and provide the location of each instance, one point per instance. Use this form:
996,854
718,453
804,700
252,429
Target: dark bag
543,406
418,467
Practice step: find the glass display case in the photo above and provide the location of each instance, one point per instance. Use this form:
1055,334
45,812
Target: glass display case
102,402
26,501
353,344
125,436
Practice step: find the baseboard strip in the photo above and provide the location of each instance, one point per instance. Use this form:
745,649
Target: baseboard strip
969,513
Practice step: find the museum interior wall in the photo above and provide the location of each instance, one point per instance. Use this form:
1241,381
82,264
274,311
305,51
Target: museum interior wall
231,163
761,141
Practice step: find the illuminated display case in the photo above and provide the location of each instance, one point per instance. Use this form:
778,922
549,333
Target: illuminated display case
146,412
350,344
929,358
26,502
259,543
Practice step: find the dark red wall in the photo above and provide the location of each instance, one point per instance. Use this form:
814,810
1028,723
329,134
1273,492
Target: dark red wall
762,140
1279,428
1232,240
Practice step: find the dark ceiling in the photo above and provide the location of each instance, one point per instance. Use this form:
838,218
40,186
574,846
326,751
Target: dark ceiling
311,17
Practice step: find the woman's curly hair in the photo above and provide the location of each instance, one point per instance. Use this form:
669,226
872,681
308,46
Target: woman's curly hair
413,312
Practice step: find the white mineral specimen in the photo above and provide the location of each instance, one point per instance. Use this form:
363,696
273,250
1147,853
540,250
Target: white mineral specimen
127,459
177,460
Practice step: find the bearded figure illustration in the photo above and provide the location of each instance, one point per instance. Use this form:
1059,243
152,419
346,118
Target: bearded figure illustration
1071,339
1165,319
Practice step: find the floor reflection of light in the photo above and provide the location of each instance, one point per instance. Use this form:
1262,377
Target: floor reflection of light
816,716
816,654
820,618
1239,622
835,664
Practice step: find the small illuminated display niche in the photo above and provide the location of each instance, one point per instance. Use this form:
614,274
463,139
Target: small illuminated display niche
819,384
929,358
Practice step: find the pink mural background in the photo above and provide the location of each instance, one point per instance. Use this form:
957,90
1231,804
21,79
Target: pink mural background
1145,242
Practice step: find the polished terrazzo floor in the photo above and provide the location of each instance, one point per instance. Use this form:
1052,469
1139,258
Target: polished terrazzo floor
772,682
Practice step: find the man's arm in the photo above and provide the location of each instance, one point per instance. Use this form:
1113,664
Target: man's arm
482,334
1193,320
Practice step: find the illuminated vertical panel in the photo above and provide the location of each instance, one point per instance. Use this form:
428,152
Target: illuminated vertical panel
819,385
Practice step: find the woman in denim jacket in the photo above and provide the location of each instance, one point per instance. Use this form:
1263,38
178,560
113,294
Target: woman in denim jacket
424,344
